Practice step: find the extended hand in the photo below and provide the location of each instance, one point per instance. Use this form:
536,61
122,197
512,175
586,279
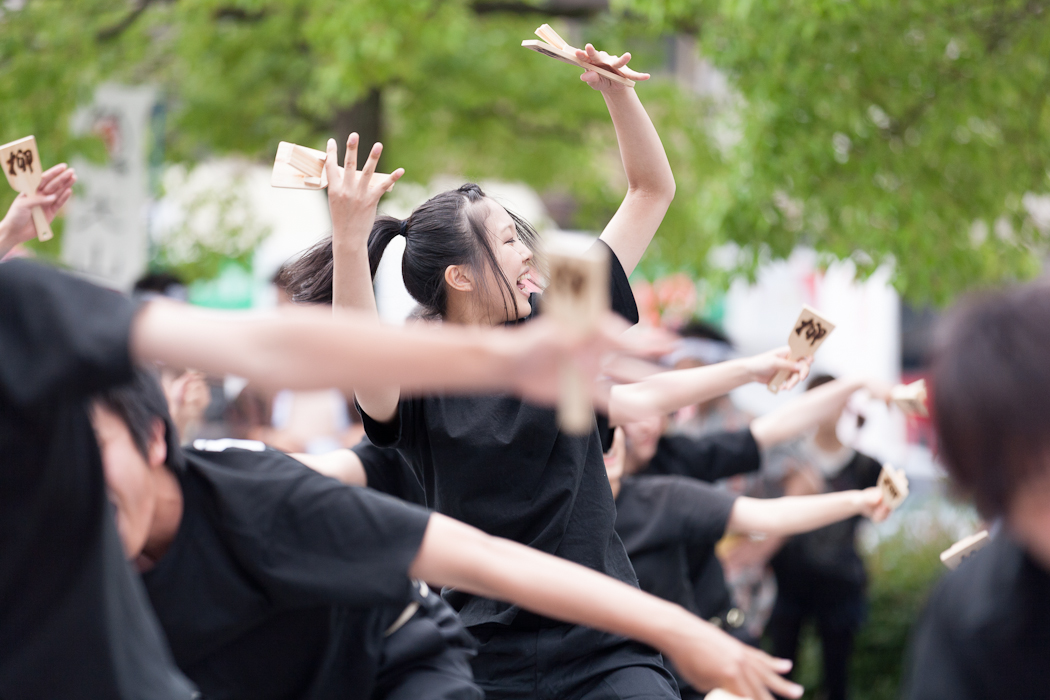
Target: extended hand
618,63
872,505
354,195
765,366
54,190
709,658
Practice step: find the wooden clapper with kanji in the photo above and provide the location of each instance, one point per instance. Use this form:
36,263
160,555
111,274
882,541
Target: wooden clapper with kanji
21,163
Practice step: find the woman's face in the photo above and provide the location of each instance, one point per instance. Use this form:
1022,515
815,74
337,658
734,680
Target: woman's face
513,258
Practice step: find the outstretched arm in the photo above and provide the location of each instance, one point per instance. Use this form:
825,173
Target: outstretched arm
811,409
352,198
650,183
54,190
457,555
306,348
666,392
791,515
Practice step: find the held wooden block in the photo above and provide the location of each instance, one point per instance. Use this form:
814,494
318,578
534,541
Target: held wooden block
300,168
894,485
954,555
911,398
21,163
809,333
556,47
577,296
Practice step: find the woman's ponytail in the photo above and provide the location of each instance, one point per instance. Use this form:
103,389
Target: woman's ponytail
384,230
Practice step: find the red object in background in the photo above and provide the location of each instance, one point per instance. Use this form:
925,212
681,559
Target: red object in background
919,430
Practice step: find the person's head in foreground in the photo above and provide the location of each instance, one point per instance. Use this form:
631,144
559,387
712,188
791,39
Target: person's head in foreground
140,453
467,259
991,406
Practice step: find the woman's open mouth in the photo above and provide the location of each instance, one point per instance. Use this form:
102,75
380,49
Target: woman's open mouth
527,285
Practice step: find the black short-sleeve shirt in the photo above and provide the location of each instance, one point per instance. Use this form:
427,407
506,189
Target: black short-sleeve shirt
503,466
709,458
280,581
387,472
664,521
985,633
74,622
829,553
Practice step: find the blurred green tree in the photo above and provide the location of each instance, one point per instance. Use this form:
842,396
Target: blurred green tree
904,130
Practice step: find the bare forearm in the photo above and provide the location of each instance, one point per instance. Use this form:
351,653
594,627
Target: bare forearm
308,349
804,413
462,557
664,393
8,240
343,465
792,515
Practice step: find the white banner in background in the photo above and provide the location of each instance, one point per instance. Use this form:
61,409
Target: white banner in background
106,230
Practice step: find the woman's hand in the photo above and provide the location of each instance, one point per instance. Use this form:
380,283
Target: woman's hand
709,658
54,190
618,64
765,366
354,195
871,505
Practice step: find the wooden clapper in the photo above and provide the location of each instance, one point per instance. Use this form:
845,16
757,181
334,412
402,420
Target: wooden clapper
894,485
911,398
954,555
21,163
556,47
809,333
300,168
577,296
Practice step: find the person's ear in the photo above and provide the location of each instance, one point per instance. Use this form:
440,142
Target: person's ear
458,278
158,444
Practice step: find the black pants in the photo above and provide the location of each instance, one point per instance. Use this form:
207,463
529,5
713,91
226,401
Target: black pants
428,657
567,662
837,613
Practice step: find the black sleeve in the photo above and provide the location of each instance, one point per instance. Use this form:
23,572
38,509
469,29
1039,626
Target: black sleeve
399,432
311,539
622,301
61,335
704,510
388,473
709,458
621,296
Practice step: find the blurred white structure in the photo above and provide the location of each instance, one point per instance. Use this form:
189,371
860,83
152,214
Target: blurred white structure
105,235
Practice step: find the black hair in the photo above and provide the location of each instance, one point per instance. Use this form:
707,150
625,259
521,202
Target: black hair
445,230
138,404
990,386
818,380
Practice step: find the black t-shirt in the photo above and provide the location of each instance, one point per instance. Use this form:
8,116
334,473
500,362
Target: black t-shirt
664,521
829,553
503,466
985,633
74,622
387,472
281,581
709,458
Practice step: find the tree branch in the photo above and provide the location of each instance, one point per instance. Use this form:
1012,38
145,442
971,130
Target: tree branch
114,31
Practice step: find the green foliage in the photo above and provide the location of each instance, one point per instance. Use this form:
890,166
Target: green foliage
885,130
885,127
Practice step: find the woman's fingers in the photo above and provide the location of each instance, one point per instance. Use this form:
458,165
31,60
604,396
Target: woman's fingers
350,161
387,183
331,164
370,163
50,175
62,181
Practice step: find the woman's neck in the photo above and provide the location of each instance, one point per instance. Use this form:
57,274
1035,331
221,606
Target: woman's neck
827,439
